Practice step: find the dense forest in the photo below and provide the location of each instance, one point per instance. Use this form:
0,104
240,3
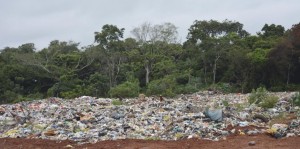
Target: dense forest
216,55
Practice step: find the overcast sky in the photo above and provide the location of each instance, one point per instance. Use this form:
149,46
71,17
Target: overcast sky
41,21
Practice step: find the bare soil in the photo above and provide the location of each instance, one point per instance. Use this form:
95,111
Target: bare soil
262,141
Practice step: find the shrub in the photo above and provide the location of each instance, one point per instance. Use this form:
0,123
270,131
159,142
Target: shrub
10,96
277,88
262,99
257,95
225,102
35,96
185,89
164,87
296,99
222,87
182,79
293,87
73,93
30,97
152,138
126,89
69,94
269,102
239,106
116,102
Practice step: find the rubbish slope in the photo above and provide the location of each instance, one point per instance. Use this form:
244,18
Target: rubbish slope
202,115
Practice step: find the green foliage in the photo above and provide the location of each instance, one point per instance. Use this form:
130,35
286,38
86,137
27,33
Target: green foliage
35,96
152,138
225,103
258,56
163,68
296,99
164,87
10,96
109,34
116,102
283,87
223,87
269,102
218,55
257,95
272,30
239,106
293,87
75,91
277,88
185,89
53,91
262,99
126,89
97,85
182,79
30,97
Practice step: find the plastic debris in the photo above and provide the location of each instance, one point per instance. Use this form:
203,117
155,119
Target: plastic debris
89,119
251,143
215,115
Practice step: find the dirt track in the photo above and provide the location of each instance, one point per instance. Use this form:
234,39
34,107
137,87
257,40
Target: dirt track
232,142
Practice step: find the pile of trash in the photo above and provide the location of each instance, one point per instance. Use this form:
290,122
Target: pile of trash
202,115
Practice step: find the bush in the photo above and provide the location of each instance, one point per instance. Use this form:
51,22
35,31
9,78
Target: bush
257,95
182,79
225,102
269,102
77,91
116,102
283,87
262,99
296,99
164,87
185,89
293,87
222,87
9,96
70,94
277,88
35,96
126,89
152,138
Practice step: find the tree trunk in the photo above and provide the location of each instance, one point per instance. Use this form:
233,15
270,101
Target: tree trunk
289,68
205,75
147,73
215,68
288,75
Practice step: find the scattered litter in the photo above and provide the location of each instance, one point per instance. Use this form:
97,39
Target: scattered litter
199,115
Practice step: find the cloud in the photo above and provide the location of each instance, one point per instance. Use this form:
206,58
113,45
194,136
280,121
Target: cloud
39,22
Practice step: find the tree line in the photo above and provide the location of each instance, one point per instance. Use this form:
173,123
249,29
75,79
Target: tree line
217,55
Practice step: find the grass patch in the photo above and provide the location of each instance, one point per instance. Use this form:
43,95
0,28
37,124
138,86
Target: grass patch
116,102
152,138
282,118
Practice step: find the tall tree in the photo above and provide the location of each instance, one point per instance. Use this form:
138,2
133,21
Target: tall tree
111,45
285,59
149,36
272,30
211,40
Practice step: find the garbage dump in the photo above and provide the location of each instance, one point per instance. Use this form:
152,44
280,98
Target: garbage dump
199,115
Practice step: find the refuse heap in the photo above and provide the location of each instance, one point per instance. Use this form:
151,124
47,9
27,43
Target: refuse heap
204,115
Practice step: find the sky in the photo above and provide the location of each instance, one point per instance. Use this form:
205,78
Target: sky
42,21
